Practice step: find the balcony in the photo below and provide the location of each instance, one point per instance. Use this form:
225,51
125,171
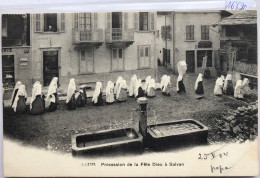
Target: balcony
88,36
119,36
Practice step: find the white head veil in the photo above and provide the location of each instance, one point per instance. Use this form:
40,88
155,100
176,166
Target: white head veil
122,85
182,67
133,82
237,92
162,81
245,82
199,79
229,77
21,92
147,81
51,90
17,85
71,89
166,82
97,92
151,85
36,90
117,84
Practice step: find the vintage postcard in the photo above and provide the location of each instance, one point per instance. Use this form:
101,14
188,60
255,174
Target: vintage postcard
144,93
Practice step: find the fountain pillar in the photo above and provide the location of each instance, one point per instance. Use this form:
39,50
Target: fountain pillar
143,101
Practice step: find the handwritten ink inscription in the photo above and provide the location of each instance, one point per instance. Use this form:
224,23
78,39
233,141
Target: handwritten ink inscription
219,168
236,5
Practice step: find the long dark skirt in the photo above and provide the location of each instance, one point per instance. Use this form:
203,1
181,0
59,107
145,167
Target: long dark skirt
200,90
21,105
100,100
181,86
72,103
37,105
81,100
140,92
230,89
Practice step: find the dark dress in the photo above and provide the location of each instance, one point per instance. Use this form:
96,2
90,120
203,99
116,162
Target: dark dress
53,105
99,101
181,86
81,99
230,89
72,103
15,92
21,105
140,92
199,90
38,105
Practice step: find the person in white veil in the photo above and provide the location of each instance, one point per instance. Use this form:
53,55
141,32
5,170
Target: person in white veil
110,98
182,67
81,96
51,100
37,105
117,84
71,101
132,85
219,86
139,92
228,85
245,90
199,85
17,85
167,86
162,81
147,81
151,88
121,92
19,104
97,96
180,85
237,93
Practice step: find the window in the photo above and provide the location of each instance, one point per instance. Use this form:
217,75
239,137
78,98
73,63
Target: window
50,22
232,31
166,32
38,22
4,27
252,58
242,54
143,21
201,54
204,32
144,56
85,20
87,61
8,71
62,22
117,59
190,32
250,31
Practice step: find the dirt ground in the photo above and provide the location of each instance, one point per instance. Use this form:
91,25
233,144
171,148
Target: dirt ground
53,130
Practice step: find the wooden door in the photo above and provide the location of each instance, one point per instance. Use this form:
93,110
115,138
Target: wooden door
50,66
190,60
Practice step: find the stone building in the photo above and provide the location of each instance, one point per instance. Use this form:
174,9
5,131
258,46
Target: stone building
238,46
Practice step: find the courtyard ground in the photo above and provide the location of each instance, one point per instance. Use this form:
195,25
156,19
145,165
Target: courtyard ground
53,130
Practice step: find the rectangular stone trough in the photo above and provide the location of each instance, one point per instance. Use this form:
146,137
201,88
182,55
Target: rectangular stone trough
106,140
177,133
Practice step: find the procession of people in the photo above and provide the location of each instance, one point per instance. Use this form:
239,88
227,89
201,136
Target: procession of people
118,91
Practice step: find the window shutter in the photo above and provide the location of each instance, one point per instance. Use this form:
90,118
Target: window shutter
152,27
192,32
163,32
62,22
136,21
38,23
109,25
187,32
125,20
95,18
76,20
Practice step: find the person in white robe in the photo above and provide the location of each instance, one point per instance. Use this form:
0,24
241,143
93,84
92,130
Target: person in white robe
121,92
237,93
110,98
37,105
245,87
132,85
199,84
166,86
182,67
138,88
19,104
71,101
219,86
17,85
97,96
162,81
51,100
151,88
147,81
228,85
117,84
180,87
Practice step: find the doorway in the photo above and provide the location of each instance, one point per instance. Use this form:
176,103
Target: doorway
190,60
50,66
8,71
116,26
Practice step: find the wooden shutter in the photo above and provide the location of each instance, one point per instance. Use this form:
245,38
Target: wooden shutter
94,16
109,21
192,32
38,24
151,19
163,32
168,32
76,20
62,22
136,20
125,14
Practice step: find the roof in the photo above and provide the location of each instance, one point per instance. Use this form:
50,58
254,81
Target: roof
239,18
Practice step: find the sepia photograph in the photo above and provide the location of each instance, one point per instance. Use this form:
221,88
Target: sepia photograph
130,93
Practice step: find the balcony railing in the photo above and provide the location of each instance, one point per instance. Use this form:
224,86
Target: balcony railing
88,36
119,34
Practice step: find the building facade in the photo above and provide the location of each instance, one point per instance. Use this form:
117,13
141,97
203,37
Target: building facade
238,53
